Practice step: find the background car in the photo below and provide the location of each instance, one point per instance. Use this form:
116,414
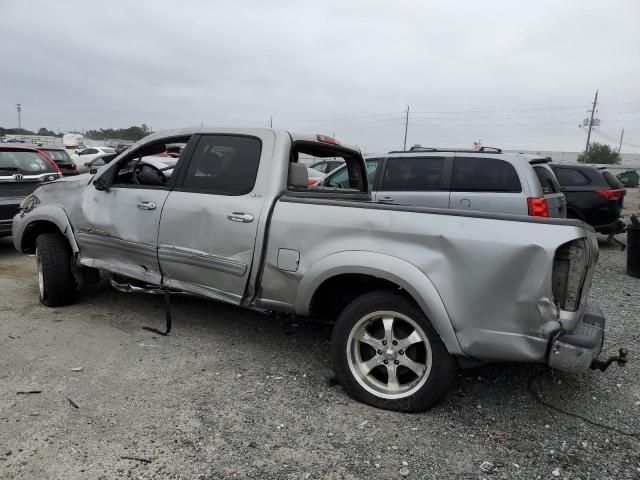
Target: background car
22,170
60,156
594,195
87,154
326,166
488,181
97,162
314,176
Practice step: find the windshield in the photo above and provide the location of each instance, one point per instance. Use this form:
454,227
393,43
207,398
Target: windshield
58,156
25,162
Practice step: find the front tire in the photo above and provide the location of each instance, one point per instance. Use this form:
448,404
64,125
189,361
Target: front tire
387,354
56,282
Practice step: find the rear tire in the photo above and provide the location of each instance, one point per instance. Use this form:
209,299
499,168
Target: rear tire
387,354
56,282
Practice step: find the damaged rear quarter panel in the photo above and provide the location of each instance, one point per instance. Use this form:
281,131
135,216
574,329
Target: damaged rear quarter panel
493,275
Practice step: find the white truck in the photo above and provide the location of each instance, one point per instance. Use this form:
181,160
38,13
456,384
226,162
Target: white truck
72,141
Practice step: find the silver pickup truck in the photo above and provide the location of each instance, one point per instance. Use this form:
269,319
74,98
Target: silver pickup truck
416,291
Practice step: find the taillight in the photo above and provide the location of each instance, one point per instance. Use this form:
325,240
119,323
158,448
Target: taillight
311,182
611,194
570,265
327,139
537,207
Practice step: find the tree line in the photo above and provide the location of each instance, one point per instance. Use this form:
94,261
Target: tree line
133,133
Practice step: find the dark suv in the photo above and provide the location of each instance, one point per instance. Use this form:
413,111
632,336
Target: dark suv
593,194
60,156
22,170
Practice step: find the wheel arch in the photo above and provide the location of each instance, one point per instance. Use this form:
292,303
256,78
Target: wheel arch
45,219
364,271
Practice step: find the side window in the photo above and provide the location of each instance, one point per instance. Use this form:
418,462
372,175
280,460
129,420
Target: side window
547,180
340,179
145,167
612,181
570,177
224,164
413,174
477,174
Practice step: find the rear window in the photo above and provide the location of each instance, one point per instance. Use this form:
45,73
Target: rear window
612,180
25,162
484,175
58,156
340,179
413,174
571,177
547,179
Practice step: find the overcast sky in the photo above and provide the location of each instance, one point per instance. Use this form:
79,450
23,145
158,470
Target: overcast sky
514,74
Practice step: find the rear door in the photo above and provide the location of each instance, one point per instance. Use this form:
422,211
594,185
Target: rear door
414,180
486,184
556,201
209,221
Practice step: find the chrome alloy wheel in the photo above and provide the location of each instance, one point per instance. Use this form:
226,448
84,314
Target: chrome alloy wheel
389,354
40,274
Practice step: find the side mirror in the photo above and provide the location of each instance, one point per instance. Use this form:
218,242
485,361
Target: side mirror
100,184
93,170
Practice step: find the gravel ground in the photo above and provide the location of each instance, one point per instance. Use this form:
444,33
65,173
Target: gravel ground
232,393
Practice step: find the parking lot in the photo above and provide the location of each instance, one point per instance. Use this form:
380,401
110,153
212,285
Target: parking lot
85,392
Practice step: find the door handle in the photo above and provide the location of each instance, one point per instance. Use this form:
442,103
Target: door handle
146,205
240,217
386,199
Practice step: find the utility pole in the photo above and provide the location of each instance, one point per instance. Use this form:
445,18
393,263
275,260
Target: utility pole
19,109
270,122
593,111
406,127
620,145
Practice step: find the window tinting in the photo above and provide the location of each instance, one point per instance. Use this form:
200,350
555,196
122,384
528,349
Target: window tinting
570,177
547,180
479,174
224,164
612,181
58,156
413,173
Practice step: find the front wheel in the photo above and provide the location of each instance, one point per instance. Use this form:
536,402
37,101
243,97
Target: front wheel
56,282
387,354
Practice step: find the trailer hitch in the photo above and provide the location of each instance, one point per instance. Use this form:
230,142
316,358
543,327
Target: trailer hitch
602,365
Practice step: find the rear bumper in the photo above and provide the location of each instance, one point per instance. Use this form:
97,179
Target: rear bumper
575,351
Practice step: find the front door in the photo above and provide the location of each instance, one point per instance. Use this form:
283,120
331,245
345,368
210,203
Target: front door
210,220
117,228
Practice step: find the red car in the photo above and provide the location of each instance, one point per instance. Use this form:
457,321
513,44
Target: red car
22,170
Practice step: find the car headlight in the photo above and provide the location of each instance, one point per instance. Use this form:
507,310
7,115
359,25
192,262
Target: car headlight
29,204
570,267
